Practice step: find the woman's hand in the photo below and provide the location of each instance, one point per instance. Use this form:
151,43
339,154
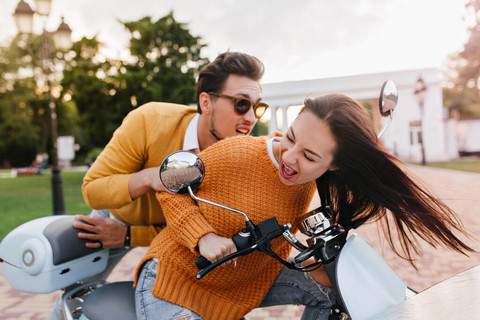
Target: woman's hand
319,275
214,247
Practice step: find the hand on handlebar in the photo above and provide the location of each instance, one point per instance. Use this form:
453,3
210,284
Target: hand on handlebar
109,232
214,247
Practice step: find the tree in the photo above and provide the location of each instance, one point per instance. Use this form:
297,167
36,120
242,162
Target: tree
167,61
96,93
19,137
24,121
463,88
86,82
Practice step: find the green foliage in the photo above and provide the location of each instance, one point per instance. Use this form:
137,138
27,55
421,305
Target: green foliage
24,112
19,135
167,60
260,129
96,92
463,89
92,155
86,82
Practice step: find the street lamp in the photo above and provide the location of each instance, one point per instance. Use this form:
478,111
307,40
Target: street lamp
23,16
420,93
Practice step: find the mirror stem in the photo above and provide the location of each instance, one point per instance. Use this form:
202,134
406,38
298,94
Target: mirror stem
386,126
215,204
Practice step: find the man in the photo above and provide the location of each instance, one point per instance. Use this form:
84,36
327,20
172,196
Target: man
124,177
121,184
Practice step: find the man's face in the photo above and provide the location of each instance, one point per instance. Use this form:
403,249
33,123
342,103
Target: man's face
224,121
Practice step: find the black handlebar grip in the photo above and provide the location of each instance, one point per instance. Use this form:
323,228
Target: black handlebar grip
241,240
202,262
304,255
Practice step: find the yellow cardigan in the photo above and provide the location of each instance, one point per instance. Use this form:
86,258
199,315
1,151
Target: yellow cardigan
147,135
241,175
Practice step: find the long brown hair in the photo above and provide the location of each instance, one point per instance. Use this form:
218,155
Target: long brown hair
368,182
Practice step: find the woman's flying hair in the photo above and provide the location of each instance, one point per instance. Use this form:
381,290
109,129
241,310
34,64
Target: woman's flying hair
368,184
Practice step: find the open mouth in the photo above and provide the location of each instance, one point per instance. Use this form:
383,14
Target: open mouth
242,131
287,172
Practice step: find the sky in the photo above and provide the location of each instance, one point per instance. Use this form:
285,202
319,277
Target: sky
296,40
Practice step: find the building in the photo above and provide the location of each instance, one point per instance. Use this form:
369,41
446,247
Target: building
408,129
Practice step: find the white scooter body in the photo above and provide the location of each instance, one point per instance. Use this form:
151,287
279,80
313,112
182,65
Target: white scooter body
366,284
41,259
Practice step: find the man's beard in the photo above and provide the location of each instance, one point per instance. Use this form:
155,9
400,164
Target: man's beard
213,131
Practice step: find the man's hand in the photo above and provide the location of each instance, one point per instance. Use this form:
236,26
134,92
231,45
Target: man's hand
214,247
144,181
109,232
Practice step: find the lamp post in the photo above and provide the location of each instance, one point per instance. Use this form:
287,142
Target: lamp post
23,16
420,93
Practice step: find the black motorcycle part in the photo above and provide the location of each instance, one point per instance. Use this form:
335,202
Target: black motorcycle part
241,241
63,239
112,301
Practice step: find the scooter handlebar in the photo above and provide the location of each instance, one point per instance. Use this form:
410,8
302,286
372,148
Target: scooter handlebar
241,241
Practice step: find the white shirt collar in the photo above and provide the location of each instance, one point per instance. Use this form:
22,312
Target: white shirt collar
270,150
190,141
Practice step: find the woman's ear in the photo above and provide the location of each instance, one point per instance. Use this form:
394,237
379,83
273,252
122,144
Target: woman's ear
205,103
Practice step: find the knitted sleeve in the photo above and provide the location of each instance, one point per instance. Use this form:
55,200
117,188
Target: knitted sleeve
184,218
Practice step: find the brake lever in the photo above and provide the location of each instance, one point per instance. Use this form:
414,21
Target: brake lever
234,255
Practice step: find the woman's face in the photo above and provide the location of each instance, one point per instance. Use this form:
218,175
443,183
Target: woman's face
306,150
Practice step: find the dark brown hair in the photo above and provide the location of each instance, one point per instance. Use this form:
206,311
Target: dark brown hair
213,76
368,184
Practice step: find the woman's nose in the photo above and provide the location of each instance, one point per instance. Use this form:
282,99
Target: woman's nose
289,156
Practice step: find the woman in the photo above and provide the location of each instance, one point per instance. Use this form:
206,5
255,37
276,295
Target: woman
331,142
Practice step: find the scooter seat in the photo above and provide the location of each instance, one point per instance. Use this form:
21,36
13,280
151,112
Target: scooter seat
112,301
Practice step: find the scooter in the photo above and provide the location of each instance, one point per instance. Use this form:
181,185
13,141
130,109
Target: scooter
45,254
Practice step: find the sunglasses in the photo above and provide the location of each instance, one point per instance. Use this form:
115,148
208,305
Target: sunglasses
242,105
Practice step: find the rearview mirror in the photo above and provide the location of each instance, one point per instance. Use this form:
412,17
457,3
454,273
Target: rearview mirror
388,98
387,102
180,170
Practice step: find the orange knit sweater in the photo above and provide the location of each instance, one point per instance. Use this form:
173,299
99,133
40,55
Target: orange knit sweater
241,175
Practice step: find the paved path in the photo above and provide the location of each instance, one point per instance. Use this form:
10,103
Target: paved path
461,191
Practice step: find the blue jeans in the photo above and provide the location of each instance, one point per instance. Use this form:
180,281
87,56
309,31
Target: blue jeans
114,257
290,287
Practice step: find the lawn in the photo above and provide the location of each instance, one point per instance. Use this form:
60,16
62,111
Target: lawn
28,197
472,165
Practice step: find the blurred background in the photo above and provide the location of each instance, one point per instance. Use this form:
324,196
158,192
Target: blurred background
123,54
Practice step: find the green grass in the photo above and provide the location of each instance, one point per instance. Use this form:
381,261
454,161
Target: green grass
462,165
28,197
